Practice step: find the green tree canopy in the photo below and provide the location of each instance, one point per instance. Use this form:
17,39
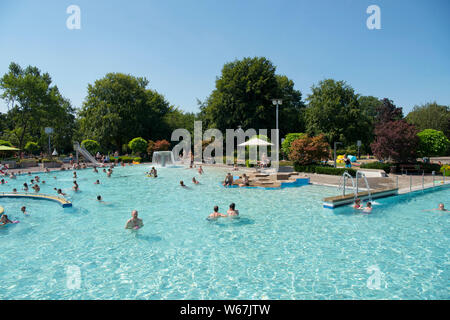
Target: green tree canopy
243,94
138,145
334,110
91,145
431,116
119,107
34,103
433,143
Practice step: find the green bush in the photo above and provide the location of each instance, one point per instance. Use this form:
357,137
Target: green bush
32,147
45,160
91,145
290,137
430,167
386,166
126,159
445,169
433,143
323,169
28,161
248,164
138,145
137,159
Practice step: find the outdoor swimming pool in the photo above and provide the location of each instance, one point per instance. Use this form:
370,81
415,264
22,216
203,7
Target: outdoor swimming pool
284,246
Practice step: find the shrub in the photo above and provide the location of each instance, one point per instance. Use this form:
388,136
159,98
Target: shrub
138,145
162,145
32,147
5,143
290,137
308,150
386,166
430,167
432,143
445,169
321,169
126,159
91,145
137,159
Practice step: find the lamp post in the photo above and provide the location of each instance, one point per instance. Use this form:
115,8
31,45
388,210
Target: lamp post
277,102
335,144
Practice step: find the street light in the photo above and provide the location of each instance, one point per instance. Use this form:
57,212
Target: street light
335,144
277,102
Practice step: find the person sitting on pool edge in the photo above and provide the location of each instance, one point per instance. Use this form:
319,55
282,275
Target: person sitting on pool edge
228,180
216,214
134,222
245,181
232,212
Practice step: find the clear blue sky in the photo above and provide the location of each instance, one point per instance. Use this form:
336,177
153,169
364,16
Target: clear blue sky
180,46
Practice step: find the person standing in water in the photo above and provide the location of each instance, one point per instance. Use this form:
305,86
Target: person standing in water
232,212
216,214
134,222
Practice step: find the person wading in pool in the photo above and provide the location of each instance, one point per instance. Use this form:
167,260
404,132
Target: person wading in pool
232,212
4,220
216,214
134,222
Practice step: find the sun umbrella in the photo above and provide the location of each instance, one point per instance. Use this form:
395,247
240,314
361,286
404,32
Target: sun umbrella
6,148
255,142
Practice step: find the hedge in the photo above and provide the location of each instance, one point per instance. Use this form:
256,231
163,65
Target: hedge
320,169
126,159
386,166
446,169
137,159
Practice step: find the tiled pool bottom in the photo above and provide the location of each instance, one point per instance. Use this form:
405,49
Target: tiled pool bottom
285,246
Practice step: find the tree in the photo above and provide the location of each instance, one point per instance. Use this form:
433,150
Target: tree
33,104
334,110
119,107
5,143
32,147
396,140
162,145
290,137
308,150
138,145
431,116
91,145
387,111
243,94
433,143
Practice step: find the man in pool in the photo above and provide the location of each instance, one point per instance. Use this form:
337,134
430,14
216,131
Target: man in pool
24,210
228,180
368,208
232,212
216,214
97,182
440,207
182,184
134,222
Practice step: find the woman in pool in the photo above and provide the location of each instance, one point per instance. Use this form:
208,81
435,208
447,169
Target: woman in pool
200,170
357,204
232,212
194,181
216,214
75,187
25,186
4,220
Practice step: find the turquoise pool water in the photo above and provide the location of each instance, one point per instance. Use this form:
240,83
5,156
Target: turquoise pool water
284,246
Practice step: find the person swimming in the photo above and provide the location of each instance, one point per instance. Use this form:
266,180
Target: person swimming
4,220
97,182
14,190
440,207
232,210
36,188
134,222
59,191
200,170
182,184
25,186
75,187
194,181
24,210
216,214
95,169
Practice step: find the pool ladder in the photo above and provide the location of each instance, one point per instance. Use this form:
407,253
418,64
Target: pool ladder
355,185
